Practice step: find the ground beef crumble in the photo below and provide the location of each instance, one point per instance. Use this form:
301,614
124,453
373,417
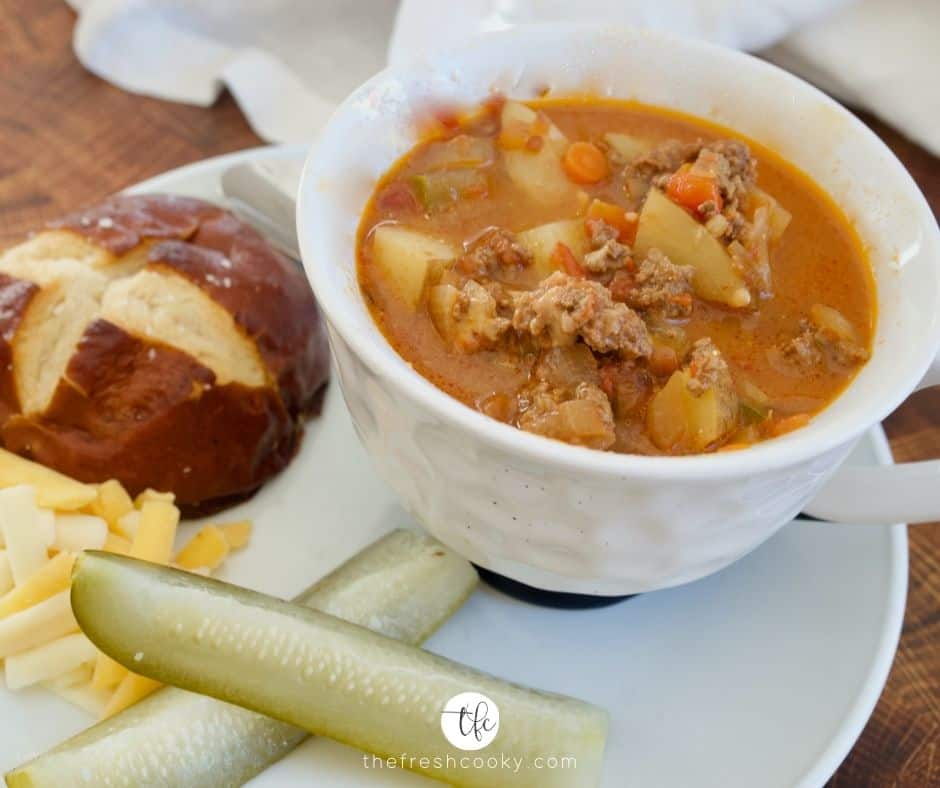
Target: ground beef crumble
608,253
802,351
665,158
583,418
842,351
813,344
477,325
494,251
730,162
658,286
564,307
708,369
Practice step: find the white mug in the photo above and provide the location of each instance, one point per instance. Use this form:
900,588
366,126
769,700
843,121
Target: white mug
566,518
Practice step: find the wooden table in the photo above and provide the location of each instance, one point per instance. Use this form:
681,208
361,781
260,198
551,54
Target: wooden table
67,138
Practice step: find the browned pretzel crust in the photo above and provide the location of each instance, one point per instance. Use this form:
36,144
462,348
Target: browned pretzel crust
142,406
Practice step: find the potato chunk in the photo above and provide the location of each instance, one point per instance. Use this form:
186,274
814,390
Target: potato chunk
537,172
542,240
667,227
698,406
404,256
626,147
466,319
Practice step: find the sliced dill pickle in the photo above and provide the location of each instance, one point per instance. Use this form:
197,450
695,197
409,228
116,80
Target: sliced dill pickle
326,675
404,585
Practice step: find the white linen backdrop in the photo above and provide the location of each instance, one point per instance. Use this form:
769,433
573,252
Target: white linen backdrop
289,62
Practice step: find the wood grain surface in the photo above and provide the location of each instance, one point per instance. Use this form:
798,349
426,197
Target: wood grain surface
67,138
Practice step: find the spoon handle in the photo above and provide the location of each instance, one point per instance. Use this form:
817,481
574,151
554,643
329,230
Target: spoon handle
263,195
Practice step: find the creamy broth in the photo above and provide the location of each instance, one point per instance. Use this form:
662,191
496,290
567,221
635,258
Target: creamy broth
778,359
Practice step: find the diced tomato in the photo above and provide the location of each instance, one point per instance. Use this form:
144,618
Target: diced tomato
621,285
397,197
564,259
625,223
626,385
690,190
449,118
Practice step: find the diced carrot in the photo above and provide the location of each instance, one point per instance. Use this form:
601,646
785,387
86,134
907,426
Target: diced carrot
788,424
690,190
737,446
563,258
476,190
584,162
616,217
397,196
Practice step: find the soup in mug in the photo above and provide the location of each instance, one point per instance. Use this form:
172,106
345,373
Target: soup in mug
616,276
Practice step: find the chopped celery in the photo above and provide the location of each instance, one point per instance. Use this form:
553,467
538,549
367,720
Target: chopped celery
404,585
461,151
625,147
438,190
755,404
752,413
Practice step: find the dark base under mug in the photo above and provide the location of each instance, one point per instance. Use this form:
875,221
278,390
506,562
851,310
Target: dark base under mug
537,596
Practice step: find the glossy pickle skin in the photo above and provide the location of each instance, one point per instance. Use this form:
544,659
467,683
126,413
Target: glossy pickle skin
175,737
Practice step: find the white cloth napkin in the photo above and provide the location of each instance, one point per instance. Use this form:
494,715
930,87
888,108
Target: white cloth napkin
288,62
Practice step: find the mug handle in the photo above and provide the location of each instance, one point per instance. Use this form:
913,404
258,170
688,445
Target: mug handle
908,492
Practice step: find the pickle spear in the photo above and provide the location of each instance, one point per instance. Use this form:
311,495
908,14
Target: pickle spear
404,585
326,675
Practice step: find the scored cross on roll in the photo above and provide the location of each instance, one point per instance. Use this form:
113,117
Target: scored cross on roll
159,341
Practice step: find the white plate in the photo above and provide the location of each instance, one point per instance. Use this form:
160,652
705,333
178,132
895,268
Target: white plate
763,674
